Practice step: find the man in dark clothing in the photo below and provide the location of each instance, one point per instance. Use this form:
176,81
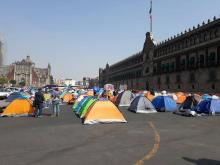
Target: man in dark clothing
38,102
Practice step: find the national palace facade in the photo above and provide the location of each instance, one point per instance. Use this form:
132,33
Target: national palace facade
189,61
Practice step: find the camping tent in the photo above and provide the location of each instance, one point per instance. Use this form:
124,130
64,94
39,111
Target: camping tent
181,97
90,92
142,105
86,106
19,107
188,105
77,108
149,96
11,97
208,106
164,103
67,98
206,96
78,100
81,103
124,98
191,102
103,112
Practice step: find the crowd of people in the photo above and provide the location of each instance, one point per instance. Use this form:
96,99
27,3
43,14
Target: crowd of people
44,100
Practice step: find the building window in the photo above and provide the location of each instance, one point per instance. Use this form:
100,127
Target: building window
147,70
204,37
183,64
178,78
213,86
172,67
212,75
211,58
202,60
167,67
163,68
167,79
192,62
154,69
158,80
179,87
192,77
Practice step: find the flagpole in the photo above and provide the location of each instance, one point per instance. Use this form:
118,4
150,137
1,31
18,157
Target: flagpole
151,21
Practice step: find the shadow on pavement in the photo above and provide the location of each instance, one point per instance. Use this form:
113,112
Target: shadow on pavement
202,161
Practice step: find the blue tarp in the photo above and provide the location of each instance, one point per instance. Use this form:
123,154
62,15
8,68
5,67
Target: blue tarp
164,103
208,106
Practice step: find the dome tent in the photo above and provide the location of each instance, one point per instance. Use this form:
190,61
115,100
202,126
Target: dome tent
19,107
103,112
124,98
164,103
142,105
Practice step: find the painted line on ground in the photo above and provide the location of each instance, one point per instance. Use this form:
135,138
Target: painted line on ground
154,149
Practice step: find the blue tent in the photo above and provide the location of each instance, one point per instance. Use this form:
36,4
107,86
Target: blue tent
164,103
206,96
208,106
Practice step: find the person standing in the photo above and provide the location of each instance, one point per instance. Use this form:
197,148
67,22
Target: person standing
56,103
38,102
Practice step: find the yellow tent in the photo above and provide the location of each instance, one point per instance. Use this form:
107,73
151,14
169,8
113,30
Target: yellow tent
149,96
103,112
67,98
90,93
19,107
181,97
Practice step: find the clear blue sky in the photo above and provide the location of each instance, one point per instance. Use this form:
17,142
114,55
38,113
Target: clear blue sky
79,36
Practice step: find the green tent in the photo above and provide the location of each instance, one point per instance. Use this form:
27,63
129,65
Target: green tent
83,105
75,105
86,107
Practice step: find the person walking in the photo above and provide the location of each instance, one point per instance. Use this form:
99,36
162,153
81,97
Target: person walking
56,103
47,98
38,102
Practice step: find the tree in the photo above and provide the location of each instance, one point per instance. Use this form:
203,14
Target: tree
22,84
13,82
3,80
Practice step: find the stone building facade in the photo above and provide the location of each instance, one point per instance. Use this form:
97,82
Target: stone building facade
25,71
189,61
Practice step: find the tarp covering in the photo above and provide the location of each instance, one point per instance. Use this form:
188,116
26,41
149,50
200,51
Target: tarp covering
142,105
164,103
19,107
103,112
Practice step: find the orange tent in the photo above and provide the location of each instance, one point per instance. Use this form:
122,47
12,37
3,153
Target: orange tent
181,97
68,97
103,112
90,93
149,96
19,107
